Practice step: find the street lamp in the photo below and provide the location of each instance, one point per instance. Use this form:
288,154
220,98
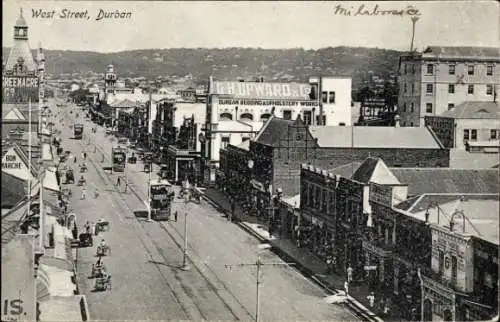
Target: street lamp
149,195
185,266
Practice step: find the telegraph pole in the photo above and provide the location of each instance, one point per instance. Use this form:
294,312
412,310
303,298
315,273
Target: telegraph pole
258,265
185,266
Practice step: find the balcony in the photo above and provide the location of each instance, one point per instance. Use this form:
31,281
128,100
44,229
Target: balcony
436,279
378,246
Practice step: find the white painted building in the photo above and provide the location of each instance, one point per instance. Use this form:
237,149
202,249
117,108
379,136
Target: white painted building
237,110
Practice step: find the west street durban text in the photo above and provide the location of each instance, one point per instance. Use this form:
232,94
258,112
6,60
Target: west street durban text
99,14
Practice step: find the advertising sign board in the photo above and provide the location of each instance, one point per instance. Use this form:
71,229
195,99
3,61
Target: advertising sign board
257,90
20,89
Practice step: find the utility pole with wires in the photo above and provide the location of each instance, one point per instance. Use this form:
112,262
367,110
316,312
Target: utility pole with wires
258,265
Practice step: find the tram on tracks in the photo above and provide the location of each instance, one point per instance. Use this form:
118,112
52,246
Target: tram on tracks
161,197
119,156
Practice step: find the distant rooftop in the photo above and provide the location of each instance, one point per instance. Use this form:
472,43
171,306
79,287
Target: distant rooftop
474,110
461,52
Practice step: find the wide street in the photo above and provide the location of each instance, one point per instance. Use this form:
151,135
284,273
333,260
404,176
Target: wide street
146,256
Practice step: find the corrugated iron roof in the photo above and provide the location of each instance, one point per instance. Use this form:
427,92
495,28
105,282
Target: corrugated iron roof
446,180
374,137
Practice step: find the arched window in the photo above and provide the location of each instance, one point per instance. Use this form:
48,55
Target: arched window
265,116
246,116
225,117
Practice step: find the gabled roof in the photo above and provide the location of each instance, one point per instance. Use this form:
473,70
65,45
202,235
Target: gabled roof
244,146
474,110
461,52
12,190
13,114
271,132
126,103
374,137
447,180
374,170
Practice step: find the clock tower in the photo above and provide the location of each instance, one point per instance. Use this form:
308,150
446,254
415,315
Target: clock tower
21,48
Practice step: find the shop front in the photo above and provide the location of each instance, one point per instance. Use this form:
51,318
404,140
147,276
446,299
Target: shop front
317,234
260,199
378,266
289,212
183,164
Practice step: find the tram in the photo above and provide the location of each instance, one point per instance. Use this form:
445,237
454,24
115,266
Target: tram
161,197
119,156
78,131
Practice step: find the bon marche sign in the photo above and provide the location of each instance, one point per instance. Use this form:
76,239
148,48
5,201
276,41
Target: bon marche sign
13,165
279,91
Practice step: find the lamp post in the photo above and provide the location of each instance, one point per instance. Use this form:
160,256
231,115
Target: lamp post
258,265
431,205
185,266
149,195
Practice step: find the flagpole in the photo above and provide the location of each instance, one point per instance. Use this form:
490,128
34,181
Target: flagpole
29,156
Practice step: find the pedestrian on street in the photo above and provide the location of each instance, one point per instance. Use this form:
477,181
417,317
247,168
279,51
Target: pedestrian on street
118,182
346,288
371,299
84,193
87,227
94,231
74,160
175,216
84,155
349,273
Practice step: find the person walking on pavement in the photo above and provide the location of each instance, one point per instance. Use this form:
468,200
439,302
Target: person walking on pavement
84,193
87,227
371,299
118,182
349,273
346,288
175,216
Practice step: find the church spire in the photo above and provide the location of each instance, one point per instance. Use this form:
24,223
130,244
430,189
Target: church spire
21,27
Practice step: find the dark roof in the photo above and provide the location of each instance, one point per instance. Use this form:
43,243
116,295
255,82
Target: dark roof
346,170
474,110
272,130
11,221
408,203
12,190
461,52
446,180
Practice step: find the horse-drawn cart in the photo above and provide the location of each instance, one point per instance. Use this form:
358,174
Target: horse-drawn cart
103,283
103,250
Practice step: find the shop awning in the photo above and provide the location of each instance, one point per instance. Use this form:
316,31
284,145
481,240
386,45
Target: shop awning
47,152
50,181
71,308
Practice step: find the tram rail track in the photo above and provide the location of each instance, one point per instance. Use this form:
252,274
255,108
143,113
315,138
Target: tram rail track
160,251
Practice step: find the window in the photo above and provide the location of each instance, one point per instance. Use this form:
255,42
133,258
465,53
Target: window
307,117
430,69
454,266
331,98
470,89
224,142
489,70
405,68
451,88
404,107
411,123
428,107
493,134
470,70
473,135
441,262
451,105
412,88
405,88
429,88
287,115
412,107
264,117
466,135
489,89
413,69
324,97
451,69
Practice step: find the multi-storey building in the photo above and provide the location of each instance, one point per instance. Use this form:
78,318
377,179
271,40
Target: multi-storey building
236,111
441,78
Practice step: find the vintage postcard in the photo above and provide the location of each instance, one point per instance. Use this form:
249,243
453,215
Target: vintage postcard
250,160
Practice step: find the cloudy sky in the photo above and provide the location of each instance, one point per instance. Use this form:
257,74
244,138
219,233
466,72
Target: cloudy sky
159,24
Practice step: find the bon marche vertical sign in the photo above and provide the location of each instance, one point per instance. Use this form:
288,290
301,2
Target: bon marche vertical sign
20,89
12,164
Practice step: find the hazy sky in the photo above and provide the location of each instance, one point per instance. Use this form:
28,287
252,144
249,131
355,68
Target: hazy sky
159,24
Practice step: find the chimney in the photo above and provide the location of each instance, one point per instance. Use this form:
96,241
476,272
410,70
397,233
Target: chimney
397,121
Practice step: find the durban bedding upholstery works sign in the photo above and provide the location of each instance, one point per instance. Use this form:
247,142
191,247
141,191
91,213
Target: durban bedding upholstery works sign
276,91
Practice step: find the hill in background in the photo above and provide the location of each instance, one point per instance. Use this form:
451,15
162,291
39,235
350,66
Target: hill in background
232,63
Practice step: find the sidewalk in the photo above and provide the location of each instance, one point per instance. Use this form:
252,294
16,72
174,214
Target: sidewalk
308,263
